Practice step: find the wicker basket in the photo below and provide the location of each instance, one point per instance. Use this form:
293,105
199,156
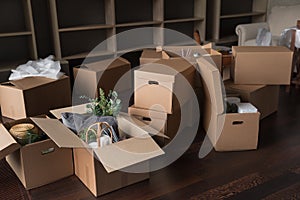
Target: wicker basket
101,126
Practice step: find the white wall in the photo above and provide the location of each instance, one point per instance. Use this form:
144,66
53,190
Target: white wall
273,3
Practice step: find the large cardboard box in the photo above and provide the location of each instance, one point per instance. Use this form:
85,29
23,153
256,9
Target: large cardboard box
34,96
103,169
163,83
264,97
227,132
262,65
103,74
39,163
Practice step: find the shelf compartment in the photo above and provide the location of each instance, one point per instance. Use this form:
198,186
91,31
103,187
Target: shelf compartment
15,48
138,24
15,22
193,19
250,14
74,44
228,5
89,54
130,41
13,34
185,28
175,9
85,28
227,39
141,8
74,13
227,26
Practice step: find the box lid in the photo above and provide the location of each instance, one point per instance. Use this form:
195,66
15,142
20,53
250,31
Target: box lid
212,84
60,134
106,64
31,82
7,143
259,49
139,148
164,70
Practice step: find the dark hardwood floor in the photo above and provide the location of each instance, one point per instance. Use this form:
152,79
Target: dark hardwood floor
271,172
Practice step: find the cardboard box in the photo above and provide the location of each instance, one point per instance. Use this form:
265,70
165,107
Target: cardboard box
227,132
104,74
157,83
262,65
107,174
39,163
34,96
264,97
152,55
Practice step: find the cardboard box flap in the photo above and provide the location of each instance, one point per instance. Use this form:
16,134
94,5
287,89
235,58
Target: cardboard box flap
32,82
7,143
106,64
249,88
165,70
59,133
147,113
259,49
80,109
212,84
127,152
151,53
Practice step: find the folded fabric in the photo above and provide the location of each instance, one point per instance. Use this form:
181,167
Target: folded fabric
79,122
43,68
246,108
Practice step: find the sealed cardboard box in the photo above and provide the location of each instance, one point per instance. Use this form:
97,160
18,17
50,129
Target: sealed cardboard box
103,169
34,96
38,163
263,97
262,65
227,132
162,83
103,74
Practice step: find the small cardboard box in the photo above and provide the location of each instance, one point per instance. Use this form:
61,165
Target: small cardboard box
261,65
34,96
102,170
162,83
263,97
103,74
39,163
152,55
227,132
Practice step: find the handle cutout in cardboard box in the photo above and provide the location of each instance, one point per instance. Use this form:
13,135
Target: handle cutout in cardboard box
47,151
237,122
153,82
147,119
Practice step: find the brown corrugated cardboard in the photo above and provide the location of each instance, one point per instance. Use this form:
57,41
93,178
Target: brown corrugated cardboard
39,163
156,83
262,65
103,74
263,97
227,132
34,96
150,56
102,176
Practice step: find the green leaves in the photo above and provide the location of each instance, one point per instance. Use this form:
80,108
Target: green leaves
105,106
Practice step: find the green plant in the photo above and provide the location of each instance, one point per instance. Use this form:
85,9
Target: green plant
103,105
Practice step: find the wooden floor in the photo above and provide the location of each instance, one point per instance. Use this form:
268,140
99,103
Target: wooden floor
271,172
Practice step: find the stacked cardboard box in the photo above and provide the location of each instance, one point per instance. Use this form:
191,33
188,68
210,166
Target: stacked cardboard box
161,90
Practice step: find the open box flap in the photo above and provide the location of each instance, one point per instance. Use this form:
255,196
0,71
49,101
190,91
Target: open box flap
80,109
212,84
32,82
248,88
139,148
7,143
127,152
59,133
147,113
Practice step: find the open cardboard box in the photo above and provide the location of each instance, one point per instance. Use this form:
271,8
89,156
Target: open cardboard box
163,83
227,132
102,169
264,97
34,96
103,74
38,163
270,65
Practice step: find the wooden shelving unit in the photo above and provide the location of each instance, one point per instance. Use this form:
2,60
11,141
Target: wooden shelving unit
222,19
102,19
17,36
